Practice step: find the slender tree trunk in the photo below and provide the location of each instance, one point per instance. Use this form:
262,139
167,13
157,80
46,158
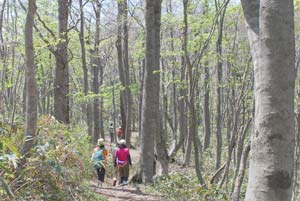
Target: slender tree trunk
61,84
96,69
123,65
128,97
189,81
272,162
206,108
219,88
113,105
162,162
88,108
119,47
31,85
240,177
101,104
1,26
197,144
174,85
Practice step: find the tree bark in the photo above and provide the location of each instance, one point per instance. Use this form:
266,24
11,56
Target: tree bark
271,166
219,84
240,177
189,80
31,84
206,108
87,107
122,49
61,84
96,69
119,46
150,105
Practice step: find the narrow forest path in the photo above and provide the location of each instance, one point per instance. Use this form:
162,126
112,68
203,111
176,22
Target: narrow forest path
120,193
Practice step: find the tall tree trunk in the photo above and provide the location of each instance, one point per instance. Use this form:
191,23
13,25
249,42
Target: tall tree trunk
162,162
96,69
183,121
123,65
272,162
189,81
119,46
61,84
174,85
31,84
239,180
128,97
150,105
219,86
113,113
87,107
206,108
101,118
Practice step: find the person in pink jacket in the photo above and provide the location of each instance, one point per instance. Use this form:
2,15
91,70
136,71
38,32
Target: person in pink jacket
122,162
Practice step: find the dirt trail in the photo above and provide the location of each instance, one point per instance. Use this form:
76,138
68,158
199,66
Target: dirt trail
123,193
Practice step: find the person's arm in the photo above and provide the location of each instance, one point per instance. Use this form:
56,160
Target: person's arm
115,158
129,159
93,154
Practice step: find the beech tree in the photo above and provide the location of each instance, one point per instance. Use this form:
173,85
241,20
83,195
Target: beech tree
270,27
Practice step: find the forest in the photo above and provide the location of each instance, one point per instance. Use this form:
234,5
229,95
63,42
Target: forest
202,95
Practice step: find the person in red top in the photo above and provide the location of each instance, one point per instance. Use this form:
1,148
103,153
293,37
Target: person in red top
122,161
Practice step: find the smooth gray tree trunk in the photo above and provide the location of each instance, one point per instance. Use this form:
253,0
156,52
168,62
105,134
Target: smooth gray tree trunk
272,149
31,84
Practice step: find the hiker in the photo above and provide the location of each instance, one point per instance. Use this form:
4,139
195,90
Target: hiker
99,160
111,132
122,162
119,133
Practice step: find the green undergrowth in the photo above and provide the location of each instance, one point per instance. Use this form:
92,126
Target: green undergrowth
185,187
58,167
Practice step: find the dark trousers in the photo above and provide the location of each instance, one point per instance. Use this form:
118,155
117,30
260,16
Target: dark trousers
111,137
100,173
124,173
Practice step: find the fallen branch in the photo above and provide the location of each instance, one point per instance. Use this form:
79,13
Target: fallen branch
217,173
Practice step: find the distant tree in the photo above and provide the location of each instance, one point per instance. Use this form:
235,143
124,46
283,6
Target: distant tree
96,68
31,84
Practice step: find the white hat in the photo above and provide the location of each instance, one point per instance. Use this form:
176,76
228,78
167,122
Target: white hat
100,141
122,141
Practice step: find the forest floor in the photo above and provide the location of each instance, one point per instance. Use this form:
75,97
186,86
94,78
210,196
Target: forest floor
129,192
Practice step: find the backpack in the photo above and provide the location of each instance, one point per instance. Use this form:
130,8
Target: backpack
98,158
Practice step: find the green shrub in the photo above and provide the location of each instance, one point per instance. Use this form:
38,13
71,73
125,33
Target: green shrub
186,187
58,168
